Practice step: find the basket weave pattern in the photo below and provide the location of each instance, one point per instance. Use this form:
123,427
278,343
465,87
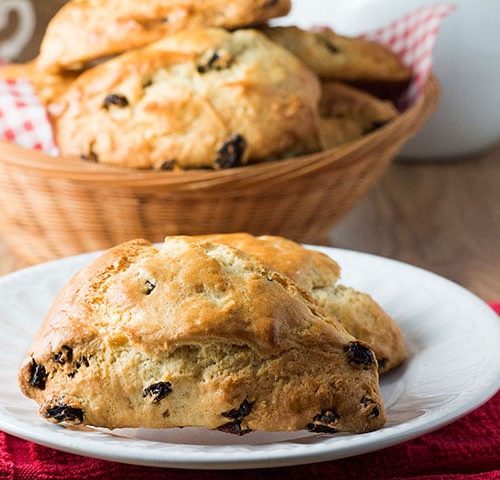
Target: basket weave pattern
56,207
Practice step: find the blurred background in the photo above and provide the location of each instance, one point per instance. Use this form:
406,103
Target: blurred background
22,25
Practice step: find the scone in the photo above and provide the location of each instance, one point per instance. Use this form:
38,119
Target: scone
335,57
348,113
86,30
199,99
49,87
318,274
197,334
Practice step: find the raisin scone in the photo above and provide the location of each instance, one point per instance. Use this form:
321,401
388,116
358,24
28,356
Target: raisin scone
49,87
87,30
318,275
348,113
199,99
197,334
336,57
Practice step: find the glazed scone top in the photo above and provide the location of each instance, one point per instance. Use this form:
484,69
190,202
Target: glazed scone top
86,30
199,99
310,269
197,334
335,57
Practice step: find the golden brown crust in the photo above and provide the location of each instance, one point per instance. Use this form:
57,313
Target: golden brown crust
309,269
197,334
49,87
318,274
199,99
85,30
348,113
335,57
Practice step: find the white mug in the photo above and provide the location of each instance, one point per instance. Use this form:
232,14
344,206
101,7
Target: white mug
467,62
11,47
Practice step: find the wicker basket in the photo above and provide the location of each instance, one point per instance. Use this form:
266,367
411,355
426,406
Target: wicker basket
56,207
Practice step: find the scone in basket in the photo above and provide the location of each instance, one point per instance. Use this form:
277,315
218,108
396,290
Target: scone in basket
57,207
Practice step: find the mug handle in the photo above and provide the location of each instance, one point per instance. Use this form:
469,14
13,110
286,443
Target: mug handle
13,46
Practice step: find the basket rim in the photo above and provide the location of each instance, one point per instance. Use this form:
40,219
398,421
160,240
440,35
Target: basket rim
403,126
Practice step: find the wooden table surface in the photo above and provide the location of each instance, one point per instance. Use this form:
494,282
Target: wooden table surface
442,217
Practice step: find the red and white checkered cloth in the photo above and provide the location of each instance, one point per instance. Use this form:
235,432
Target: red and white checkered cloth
23,118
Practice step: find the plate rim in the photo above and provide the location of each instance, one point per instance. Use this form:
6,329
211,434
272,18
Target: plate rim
257,459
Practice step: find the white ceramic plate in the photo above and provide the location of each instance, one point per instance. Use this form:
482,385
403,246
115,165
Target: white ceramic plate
454,367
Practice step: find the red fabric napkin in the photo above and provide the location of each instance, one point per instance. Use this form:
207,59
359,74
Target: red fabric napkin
468,449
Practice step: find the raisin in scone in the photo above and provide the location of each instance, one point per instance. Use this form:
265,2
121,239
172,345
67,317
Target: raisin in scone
348,113
335,57
199,99
86,30
49,87
197,334
318,275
